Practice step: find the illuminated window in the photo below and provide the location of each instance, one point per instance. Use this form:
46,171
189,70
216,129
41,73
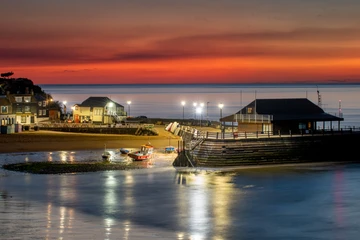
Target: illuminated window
249,110
23,119
27,108
40,112
44,112
27,99
44,103
4,109
97,112
18,99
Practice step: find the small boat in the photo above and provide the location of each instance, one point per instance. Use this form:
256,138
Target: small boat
144,153
124,151
170,149
106,155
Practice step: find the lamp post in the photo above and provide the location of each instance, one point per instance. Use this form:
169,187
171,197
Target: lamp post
198,110
207,110
221,127
64,103
201,108
128,102
183,106
195,104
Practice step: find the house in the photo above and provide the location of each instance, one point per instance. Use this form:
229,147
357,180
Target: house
42,106
98,110
282,115
24,108
6,113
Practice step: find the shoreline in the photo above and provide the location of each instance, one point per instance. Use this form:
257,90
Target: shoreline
38,141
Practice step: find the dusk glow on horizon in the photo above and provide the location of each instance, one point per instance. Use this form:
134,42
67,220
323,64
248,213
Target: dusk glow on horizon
199,41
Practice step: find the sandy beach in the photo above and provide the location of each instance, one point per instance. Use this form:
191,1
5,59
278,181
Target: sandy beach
33,141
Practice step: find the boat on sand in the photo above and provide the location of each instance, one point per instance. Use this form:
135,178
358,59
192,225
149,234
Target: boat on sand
144,153
124,151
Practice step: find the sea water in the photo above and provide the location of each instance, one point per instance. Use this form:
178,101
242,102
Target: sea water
305,202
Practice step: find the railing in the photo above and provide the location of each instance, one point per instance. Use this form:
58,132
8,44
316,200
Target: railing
253,118
199,136
87,125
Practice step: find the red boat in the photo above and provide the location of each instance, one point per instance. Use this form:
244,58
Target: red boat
144,153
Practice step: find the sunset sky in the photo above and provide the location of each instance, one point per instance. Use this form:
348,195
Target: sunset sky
180,41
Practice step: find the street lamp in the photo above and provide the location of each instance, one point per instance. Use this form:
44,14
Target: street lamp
183,105
198,110
64,103
207,110
129,102
221,128
195,104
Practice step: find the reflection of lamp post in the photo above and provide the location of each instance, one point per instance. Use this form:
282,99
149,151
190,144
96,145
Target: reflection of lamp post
183,105
221,128
129,102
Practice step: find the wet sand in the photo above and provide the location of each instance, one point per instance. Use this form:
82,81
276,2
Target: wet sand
33,141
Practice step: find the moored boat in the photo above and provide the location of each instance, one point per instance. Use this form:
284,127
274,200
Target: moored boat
144,153
106,154
124,151
170,149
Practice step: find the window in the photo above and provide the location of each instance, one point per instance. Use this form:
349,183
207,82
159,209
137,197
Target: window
44,103
23,119
40,104
27,99
40,112
97,112
18,99
44,112
18,109
249,110
4,109
27,109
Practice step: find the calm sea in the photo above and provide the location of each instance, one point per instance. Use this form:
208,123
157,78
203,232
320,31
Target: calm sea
164,101
306,202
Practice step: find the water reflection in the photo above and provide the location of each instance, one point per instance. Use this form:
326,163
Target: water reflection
161,203
208,203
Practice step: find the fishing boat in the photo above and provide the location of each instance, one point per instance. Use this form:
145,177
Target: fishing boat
124,151
106,154
144,153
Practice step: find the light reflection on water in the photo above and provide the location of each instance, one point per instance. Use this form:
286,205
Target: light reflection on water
161,203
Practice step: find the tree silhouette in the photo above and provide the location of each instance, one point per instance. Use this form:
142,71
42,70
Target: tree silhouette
7,74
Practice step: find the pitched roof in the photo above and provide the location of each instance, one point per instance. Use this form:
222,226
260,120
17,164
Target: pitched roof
287,109
4,101
98,102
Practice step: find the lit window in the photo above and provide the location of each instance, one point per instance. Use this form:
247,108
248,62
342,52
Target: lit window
44,112
44,103
249,110
40,112
18,99
27,108
23,119
27,99
4,109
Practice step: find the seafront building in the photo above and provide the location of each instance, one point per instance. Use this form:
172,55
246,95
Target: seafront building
288,115
22,104
100,110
